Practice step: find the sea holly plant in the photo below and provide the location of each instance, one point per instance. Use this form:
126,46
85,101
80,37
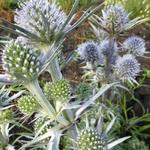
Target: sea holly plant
55,107
113,58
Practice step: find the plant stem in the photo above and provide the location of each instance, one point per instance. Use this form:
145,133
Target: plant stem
3,137
37,92
54,70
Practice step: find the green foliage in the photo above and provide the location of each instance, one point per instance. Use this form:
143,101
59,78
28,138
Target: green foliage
67,4
133,125
132,144
65,143
83,90
8,4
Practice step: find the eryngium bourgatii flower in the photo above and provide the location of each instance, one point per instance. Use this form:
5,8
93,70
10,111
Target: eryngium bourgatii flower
134,45
59,90
28,105
42,18
89,51
19,62
114,18
127,67
89,139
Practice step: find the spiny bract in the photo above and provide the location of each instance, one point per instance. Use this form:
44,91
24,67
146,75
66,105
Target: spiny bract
41,127
28,105
6,116
20,62
42,18
89,51
114,18
59,90
127,67
134,45
89,139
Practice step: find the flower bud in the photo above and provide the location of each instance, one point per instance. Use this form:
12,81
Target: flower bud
28,105
19,62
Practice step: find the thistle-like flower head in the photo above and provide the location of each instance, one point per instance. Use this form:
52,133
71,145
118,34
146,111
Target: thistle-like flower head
114,18
42,18
28,105
20,62
6,116
59,90
89,51
89,139
134,45
127,67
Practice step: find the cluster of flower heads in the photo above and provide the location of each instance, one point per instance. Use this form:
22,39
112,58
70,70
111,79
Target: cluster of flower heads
41,17
126,66
114,18
20,62
121,57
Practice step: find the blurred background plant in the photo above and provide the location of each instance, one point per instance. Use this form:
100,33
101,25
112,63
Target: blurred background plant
66,5
140,8
8,4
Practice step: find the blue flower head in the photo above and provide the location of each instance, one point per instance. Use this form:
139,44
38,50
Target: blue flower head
41,17
134,45
127,67
89,51
114,18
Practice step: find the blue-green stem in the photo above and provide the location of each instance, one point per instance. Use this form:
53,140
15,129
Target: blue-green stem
37,92
3,137
54,70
